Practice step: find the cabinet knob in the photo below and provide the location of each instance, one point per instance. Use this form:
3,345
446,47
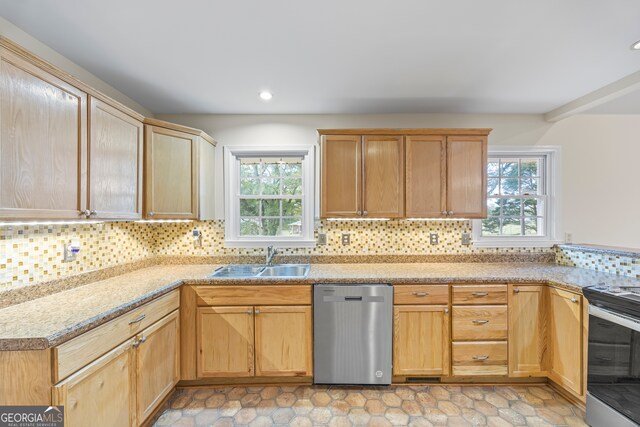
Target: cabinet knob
150,214
143,339
249,311
85,212
446,311
365,213
93,213
444,213
450,213
574,300
516,291
359,212
257,311
135,343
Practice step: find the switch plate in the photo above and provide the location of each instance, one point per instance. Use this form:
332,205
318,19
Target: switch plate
433,238
568,237
322,238
346,239
466,239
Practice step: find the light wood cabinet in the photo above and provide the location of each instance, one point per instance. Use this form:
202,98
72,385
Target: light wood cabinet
479,358
421,340
480,323
362,176
527,330
467,176
157,364
283,341
102,393
115,163
565,339
43,143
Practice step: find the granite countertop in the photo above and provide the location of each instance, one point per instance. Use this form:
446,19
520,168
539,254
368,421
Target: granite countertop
49,321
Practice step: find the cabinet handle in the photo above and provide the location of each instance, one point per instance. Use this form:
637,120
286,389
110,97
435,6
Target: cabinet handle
480,294
450,213
480,357
135,343
85,212
93,213
444,213
359,213
138,320
365,213
446,311
249,311
480,322
516,291
143,339
257,311
421,294
574,300
150,214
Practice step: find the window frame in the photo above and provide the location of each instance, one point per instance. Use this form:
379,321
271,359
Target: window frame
232,237
552,185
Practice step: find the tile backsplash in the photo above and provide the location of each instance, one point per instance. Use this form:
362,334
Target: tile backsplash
33,253
606,261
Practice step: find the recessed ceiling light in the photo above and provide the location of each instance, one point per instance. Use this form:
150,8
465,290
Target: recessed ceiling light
265,95
636,45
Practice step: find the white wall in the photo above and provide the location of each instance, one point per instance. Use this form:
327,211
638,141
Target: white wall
15,34
600,156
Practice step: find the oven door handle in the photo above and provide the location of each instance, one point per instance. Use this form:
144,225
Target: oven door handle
618,319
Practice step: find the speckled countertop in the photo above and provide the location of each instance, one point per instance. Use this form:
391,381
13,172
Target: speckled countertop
51,320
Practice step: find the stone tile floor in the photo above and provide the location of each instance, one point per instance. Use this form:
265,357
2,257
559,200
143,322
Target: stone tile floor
372,406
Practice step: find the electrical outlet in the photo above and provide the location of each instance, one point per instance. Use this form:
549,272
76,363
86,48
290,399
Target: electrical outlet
568,237
322,238
466,239
433,238
346,239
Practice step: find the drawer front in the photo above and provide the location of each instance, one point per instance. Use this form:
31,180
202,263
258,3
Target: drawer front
479,358
253,295
420,294
80,351
479,323
480,294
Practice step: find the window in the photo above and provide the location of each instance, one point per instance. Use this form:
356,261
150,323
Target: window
521,193
269,197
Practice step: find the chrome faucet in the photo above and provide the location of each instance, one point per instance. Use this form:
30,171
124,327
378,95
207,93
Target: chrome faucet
271,252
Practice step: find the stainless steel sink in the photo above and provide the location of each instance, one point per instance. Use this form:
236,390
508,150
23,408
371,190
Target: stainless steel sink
285,270
262,270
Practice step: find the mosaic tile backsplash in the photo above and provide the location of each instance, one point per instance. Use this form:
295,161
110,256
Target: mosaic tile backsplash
33,253
611,262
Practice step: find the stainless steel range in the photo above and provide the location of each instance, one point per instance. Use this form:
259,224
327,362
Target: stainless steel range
613,375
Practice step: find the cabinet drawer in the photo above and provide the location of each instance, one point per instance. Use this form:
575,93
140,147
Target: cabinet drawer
479,358
253,295
480,294
420,294
80,351
480,323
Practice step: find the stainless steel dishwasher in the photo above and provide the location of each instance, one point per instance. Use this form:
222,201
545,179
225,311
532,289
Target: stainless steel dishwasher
352,333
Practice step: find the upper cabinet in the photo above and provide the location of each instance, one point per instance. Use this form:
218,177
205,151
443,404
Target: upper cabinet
396,173
178,167
362,176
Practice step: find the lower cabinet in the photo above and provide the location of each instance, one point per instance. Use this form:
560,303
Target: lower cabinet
124,386
528,330
246,341
421,340
565,339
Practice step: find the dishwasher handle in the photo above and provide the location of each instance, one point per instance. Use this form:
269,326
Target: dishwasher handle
352,298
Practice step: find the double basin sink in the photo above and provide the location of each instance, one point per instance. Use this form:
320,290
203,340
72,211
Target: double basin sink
263,270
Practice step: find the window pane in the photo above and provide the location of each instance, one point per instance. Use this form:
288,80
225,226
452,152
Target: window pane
529,185
530,167
249,227
493,188
511,227
292,207
511,207
292,186
533,207
270,226
269,169
291,226
271,207
271,186
509,167
292,169
491,227
493,207
509,186
249,207
249,187
493,169
248,169
533,227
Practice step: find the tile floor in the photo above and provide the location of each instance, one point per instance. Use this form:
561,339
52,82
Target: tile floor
373,406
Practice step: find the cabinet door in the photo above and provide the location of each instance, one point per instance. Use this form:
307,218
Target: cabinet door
43,143
426,160
171,180
115,163
467,176
527,331
225,341
101,394
565,309
341,176
284,341
158,358
421,340
383,176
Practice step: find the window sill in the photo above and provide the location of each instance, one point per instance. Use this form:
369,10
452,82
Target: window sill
515,243
271,242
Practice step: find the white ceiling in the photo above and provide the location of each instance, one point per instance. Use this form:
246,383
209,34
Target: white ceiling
337,56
